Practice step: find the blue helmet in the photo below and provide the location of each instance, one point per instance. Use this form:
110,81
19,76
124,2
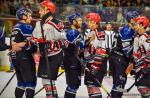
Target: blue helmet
73,17
126,33
131,14
22,11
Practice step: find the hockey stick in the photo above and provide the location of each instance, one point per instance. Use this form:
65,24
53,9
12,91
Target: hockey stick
43,87
138,79
7,83
46,57
13,74
100,84
127,90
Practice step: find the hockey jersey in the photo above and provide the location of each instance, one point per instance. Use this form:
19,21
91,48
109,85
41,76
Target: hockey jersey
124,44
141,46
52,31
96,46
3,46
22,32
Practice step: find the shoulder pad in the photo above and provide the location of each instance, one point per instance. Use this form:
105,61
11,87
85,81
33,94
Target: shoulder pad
101,35
24,29
57,24
72,35
126,33
147,37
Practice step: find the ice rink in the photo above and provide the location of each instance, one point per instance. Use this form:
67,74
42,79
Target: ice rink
61,85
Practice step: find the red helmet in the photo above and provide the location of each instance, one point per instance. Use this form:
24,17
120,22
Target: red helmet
50,5
143,20
93,16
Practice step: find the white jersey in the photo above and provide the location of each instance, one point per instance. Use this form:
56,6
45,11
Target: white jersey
51,32
98,42
141,46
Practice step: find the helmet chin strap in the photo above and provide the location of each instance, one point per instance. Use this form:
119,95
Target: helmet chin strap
24,20
140,27
141,30
94,27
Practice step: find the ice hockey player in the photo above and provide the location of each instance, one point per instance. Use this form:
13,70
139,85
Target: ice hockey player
95,56
3,45
142,56
121,55
72,62
22,59
50,37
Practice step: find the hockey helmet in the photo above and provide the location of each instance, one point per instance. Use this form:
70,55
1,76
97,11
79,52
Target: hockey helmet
22,11
73,17
131,15
142,20
50,5
93,16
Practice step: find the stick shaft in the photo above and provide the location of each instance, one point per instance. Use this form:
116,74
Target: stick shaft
7,83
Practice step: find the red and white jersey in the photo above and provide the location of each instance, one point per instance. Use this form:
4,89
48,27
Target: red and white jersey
52,32
97,45
141,46
99,40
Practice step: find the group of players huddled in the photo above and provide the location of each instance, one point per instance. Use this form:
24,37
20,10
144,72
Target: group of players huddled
83,49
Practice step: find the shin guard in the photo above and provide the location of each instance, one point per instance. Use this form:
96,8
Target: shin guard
145,91
71,91
94,92
51,91
19,91
30,92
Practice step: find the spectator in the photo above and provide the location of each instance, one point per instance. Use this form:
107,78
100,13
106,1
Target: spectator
75,1
129,3
98,10
65,1
100,4
4,8
108,3
120,17
84,2
108,15
113,3
118,2
66,12
139,3
123,3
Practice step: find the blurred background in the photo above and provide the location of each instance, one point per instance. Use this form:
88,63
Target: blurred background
112,11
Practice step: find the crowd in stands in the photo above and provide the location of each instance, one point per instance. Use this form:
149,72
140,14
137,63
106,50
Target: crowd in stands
9,7
109,10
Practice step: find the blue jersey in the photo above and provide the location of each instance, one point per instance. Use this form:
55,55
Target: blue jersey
2,36
126,35
3,46
22,31
74,36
